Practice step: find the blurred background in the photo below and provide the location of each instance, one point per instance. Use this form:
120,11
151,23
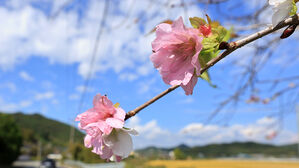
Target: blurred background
55,55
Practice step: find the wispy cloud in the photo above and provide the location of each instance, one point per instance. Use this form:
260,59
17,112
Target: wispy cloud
187,100
44,96
26,76
74,96
9,85
9,107
25,103
81,89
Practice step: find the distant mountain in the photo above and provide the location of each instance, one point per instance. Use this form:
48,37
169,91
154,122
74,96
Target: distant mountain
223,150
36,126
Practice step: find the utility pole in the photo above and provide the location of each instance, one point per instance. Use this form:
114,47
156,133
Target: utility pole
72,133
297,110
39,150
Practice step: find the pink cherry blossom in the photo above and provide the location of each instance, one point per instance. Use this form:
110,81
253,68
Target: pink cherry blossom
115,146
176,49
102,118
104,127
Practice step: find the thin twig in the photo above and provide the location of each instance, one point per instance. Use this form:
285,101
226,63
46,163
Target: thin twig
136,110
232,47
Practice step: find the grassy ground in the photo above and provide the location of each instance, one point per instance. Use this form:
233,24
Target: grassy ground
221,164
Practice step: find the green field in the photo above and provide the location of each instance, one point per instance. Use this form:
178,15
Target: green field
221,164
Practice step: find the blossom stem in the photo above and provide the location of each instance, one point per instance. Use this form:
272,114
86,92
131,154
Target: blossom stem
231,48
136,110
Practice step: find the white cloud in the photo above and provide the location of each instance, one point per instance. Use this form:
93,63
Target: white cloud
55,101
187,100
81,89
44,96
74,96
27,31
146,86
9,107
8,85
255,3
47,85
266,121
25,103
25,76
252,132
128,76
151,134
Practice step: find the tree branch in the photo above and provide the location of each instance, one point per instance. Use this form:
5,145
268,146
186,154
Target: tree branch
232,47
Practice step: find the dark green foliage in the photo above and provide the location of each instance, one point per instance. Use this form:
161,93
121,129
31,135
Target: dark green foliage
225,150
179,154
10,139
233,149
54,137
36,127
84,154
153,153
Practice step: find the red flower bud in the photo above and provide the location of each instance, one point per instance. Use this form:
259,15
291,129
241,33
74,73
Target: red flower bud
288,31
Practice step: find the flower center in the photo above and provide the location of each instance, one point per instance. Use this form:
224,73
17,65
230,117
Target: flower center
185,49
107,113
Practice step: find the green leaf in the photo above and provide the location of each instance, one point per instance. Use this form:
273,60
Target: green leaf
222,33
196,22
205,76
210,42
294,9
227,35
204,57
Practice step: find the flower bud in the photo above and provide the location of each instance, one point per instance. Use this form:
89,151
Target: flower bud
223,45
288,31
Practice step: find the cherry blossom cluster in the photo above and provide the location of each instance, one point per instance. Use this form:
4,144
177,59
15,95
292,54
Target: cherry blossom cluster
103,125
179,54
176,50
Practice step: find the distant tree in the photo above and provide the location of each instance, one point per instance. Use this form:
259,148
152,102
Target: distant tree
76,150
79,152
10,140
28,135
179,154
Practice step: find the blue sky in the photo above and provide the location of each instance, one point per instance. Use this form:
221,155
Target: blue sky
45,60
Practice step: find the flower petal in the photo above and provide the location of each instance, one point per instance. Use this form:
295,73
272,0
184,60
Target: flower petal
131,131
87,141
107,152
124,145
178,25
280,15
97,100
119,114
190,86
115,158
282,9
196,63
104,127
115,123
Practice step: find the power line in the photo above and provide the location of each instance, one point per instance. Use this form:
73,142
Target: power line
93,57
